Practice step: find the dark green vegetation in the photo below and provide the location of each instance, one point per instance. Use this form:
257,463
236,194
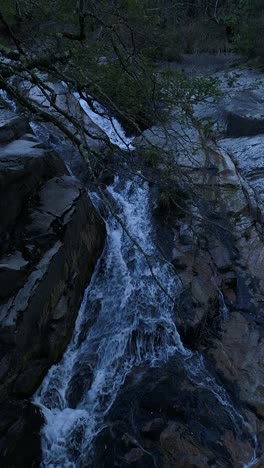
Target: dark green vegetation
109,49
160,30
115,52
112,51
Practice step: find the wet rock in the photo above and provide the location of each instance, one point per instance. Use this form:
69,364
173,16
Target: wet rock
67,102
65,230
12,273
221,278
11,126
197,307
152,429
247,153
221,257
79,384
244,114
179,260
116,447
186,234
52,238
30,137
180,447
137,458
23,168
176,422
20,444
238,356
229,280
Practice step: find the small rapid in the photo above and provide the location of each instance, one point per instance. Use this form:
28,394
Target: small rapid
125,320
109,124
128,321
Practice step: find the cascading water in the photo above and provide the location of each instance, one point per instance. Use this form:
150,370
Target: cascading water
133,325
125,320
110,125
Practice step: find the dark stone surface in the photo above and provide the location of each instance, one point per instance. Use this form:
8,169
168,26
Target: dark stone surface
245,114
174,422
51,238
239,125
65,237
24,167
20,445
11,126
79,384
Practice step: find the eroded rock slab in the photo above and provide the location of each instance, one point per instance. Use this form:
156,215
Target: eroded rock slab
51,238
239,356
11,126
217,252
163,418
245,114
24,166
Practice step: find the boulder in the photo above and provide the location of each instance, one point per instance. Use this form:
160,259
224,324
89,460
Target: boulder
24,167
170,417
245,114
11,126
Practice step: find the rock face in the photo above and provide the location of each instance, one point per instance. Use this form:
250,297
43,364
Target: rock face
164,419
11,126
217,251
245,114
204,409
248,154
68,103
51,238
19,434
239,357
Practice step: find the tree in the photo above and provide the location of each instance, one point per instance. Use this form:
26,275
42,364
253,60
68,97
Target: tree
103,58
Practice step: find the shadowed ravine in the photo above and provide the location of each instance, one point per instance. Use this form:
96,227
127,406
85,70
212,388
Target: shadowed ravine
125,320
131,325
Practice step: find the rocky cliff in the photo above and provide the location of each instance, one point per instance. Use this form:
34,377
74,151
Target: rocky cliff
167,416
200,409
51,238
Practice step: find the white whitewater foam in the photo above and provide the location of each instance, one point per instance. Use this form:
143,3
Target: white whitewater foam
5,98
109,125
133,325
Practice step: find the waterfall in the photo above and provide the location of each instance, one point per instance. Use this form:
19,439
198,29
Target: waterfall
132,326
110,125
125,320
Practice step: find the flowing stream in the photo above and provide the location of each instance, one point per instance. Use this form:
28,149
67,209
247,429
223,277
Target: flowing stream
125,320
132,325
